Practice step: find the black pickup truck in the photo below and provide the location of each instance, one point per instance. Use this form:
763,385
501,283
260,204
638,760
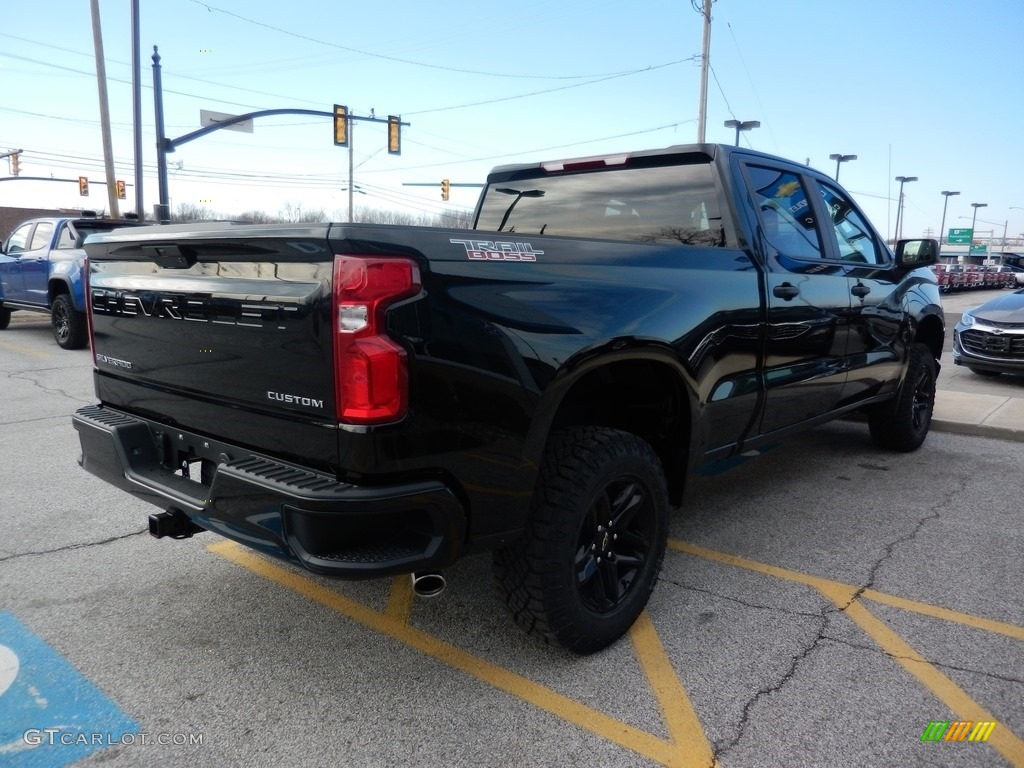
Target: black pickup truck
368,400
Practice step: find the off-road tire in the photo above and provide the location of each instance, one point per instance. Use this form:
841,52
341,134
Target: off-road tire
593,546
70,327
902,423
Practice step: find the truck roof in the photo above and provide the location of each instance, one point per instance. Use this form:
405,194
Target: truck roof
709,151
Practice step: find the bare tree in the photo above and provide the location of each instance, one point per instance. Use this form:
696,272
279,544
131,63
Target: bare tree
295,213
256,217
453,219
192,212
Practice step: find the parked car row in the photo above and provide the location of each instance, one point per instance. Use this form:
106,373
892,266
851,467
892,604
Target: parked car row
959,277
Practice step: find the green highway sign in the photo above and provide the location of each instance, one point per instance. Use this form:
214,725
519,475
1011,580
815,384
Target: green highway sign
979,248
960,236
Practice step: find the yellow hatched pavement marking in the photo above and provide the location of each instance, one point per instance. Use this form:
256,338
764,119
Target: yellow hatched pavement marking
684,728
672,699
23,350
842,595
400,599
926,609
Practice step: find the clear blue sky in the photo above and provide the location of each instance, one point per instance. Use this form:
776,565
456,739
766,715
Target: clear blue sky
922,88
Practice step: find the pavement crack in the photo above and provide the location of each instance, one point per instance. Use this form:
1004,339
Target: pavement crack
720,749
71,547
887,553
731,599
31,379
932,662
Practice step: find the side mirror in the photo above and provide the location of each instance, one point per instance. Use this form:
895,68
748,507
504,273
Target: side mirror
917,253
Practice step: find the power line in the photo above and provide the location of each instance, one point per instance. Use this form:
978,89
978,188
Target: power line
50,46
399,60
548,90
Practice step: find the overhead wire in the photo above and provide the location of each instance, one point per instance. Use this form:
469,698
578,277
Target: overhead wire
400,60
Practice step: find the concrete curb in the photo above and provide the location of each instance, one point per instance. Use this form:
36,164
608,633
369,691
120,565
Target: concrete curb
981,415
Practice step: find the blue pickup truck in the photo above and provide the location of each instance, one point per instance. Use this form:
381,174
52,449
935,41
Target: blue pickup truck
41,269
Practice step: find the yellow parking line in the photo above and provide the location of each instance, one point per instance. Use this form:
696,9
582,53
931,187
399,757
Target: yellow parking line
24,350
684,728
400,599
753,565
926,609
1006,743
544,698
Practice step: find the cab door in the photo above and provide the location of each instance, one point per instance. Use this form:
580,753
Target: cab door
808,300
874,348
35,264
12,263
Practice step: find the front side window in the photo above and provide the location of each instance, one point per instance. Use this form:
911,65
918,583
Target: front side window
785,213
663,204
854,237
18,240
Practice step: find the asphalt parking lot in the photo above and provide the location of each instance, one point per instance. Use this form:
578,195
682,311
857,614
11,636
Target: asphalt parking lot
821,604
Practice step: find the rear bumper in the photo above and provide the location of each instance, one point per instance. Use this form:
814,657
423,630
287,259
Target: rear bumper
287,511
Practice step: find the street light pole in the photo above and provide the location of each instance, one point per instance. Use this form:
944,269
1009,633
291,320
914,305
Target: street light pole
899,208
745,125
974,219
942,228
841,159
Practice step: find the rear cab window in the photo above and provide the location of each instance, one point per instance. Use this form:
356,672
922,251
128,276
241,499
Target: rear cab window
668,203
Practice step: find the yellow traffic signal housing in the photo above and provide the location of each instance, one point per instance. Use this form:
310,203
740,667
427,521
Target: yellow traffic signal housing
122,193
445,188
340,126
394,135
83,186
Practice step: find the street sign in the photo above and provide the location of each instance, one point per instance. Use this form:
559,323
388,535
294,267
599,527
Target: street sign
983,248
960,236
206,117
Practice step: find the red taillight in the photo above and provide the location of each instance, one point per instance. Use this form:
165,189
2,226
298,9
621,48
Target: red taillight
87,301
371,380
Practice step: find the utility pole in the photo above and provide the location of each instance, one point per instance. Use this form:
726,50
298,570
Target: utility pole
101,81
702,114
140,211
350,168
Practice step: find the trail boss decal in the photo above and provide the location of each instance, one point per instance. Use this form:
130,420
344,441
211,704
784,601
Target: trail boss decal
500,250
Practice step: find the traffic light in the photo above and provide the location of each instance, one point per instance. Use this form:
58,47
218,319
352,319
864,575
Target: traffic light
340,126
121,191
83,186
15,164
445,188
394,135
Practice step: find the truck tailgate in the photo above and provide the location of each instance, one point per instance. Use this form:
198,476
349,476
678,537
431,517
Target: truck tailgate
219,329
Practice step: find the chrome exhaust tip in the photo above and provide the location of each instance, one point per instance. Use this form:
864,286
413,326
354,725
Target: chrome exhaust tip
428,584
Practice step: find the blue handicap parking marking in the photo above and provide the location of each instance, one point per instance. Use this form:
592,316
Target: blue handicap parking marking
50,714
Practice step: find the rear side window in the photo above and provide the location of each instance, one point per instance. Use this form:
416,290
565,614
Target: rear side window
67,238
41,237
667,204
785,211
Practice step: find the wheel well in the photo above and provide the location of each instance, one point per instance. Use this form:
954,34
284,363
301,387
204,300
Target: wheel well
930,332
56,288
643,397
